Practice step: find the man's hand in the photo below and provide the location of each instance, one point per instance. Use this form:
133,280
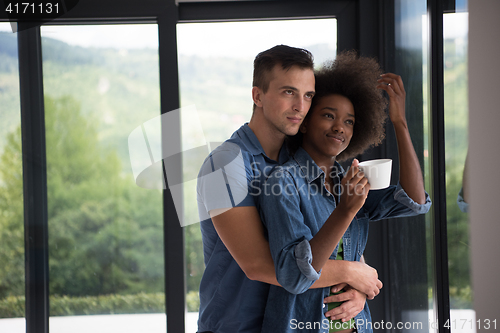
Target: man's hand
362,277
354,302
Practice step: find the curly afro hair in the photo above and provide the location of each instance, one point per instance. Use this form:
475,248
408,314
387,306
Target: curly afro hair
356,79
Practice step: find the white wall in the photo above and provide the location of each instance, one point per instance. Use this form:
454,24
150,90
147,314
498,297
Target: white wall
484,154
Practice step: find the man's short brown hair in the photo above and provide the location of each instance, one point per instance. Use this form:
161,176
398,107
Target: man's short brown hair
284,55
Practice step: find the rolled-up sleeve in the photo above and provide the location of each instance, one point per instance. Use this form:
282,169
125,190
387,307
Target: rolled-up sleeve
303,256
288,235
401,196
393,202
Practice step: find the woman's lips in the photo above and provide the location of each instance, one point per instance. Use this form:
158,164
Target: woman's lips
337,138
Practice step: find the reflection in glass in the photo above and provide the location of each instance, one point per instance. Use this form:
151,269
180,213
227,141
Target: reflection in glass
215,75
411,239
455,29
105,232
11,189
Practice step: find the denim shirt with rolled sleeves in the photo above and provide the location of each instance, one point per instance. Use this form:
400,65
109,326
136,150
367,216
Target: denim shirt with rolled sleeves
229,301
294,209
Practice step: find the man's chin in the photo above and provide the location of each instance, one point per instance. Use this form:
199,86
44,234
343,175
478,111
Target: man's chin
291,131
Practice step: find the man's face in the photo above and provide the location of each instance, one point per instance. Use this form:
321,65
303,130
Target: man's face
287,101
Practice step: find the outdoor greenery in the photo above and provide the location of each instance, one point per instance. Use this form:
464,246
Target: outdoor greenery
106,233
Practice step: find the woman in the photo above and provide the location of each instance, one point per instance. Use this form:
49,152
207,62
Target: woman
311,203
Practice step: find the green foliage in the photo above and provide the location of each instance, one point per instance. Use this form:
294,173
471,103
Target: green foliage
105,233
13,306
456,145
461,298
193,301
11,218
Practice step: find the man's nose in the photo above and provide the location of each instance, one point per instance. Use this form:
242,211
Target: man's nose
299,104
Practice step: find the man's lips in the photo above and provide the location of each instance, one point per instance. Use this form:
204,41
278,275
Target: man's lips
295,120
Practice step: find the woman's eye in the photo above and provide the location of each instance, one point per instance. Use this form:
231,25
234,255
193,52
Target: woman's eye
350,122
328,115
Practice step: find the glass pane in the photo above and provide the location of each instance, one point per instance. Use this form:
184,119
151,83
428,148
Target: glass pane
412,237
455,30
11,189
215,74
105,233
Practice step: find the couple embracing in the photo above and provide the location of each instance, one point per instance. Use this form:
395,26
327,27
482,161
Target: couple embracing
284,227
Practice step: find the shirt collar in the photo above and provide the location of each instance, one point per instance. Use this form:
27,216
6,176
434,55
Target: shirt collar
252,144
311,170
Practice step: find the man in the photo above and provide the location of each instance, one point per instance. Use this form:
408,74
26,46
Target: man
239,267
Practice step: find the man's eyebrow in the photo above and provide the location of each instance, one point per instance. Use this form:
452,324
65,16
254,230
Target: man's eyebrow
289,88
335,109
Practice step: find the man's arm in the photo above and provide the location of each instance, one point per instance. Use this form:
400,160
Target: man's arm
242,232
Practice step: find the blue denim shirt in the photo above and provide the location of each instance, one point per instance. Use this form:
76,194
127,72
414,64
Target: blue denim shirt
231,176
294,210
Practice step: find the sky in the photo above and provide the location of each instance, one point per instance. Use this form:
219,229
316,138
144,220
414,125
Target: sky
234,39
206,39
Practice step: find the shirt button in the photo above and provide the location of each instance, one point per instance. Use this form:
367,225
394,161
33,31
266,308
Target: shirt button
328,194
324,305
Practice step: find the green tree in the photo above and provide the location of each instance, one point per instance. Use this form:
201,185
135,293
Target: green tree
11,218
105,233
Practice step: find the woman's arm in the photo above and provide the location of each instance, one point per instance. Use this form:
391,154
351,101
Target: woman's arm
242,232
355,189
410,174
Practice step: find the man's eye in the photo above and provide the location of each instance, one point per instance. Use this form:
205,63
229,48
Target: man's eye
309,96
289,92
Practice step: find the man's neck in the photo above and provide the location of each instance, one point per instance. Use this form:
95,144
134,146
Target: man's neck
270,139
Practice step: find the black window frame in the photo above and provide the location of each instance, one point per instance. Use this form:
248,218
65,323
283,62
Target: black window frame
358,29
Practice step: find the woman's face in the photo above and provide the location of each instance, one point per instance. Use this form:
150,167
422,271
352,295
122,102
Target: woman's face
329,128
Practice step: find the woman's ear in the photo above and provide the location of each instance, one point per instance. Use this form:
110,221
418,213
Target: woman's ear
256,94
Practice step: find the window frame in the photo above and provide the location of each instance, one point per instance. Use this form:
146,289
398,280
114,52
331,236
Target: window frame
354,19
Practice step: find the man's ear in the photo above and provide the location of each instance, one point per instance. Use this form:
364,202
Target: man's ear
256,94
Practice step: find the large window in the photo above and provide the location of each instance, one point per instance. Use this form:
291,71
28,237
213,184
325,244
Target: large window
105,232
455,30
115,252
11,188
215,76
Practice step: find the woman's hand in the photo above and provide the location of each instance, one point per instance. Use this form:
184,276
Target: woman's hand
355,188
393,85
354,302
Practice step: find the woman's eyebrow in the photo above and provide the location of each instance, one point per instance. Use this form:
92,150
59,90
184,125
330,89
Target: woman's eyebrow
335,109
